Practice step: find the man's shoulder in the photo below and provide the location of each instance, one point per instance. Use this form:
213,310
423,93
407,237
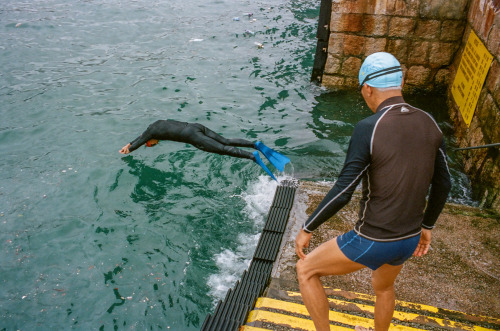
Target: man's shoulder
365,127
426,116
369,121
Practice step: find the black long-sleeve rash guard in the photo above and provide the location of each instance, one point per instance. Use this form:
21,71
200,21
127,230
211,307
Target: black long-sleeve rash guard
397,153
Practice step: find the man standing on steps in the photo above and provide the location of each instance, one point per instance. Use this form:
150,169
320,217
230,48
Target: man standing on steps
398,153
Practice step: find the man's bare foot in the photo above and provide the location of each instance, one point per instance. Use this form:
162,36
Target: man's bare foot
362,328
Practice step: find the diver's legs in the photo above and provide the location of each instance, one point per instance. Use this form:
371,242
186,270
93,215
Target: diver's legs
210,145
229,142
203,138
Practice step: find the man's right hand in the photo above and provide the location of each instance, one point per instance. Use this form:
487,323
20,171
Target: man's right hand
301,242
424,244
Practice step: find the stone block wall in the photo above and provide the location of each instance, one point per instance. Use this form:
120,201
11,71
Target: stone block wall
423,34
428,38
482,165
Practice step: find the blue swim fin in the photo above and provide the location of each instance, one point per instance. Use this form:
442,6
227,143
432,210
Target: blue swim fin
277,160
258,160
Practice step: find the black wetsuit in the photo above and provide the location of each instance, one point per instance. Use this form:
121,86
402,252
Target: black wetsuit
398,153
195,134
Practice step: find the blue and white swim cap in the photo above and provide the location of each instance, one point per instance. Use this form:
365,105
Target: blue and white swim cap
380,70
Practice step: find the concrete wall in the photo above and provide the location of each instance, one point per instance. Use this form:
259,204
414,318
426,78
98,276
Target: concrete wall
428,37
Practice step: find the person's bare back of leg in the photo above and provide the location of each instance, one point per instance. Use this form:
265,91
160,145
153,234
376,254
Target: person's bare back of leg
383,284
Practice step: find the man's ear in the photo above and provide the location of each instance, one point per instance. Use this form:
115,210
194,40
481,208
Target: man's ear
368,90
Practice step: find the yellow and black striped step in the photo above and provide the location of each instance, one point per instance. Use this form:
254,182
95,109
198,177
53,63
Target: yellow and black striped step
288,313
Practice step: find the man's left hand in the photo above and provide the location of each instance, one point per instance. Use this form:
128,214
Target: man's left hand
424,244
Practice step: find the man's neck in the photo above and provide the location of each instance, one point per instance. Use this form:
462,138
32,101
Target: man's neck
382,96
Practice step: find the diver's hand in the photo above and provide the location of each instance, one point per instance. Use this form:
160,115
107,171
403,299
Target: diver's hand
424,244
301,242
125,149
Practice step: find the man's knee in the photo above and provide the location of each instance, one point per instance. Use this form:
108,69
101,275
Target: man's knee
383,290
301,270
304,271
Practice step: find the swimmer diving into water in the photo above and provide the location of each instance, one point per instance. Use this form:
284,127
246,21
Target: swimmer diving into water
205,139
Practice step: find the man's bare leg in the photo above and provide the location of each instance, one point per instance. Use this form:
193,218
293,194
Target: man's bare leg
325,260
383,284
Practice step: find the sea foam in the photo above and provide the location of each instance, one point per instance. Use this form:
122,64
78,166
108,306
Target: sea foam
231,263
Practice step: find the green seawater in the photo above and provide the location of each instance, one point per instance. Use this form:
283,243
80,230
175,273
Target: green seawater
93,240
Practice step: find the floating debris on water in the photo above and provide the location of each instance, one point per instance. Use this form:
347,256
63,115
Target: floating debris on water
236,18
195,40
68,170
249,33
259,45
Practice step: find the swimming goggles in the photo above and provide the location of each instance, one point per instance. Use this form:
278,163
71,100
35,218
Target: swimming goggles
379,73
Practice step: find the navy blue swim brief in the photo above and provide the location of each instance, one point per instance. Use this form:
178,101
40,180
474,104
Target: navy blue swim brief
374,254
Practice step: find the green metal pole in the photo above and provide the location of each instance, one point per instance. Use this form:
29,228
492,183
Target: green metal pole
476,147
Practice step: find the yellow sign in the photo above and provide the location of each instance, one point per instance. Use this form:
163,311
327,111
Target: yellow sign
472,71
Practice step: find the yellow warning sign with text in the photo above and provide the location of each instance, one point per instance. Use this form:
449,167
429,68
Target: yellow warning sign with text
471,73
